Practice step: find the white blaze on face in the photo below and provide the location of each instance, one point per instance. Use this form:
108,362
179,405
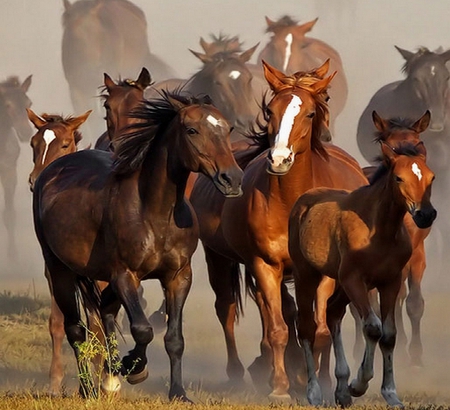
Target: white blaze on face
235,74
416,170
214,121
288,51
281,149
48,136
433,70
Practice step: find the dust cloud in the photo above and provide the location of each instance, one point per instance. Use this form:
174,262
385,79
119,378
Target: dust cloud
363,32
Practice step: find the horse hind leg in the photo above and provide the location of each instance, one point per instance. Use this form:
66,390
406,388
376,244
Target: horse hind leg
224,279
134,364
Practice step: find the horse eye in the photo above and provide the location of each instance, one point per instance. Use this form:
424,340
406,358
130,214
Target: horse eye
311,115
231,129
398,179
327,98
192,131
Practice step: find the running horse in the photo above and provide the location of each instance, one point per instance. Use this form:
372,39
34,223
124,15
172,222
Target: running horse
425,87
55,137
226,78
291,50
14,128
397,132
104,36
132,223
359,239
252,230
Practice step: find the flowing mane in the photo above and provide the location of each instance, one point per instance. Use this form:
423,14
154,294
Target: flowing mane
156,115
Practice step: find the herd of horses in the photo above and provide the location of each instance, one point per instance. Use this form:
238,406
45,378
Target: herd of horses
238,158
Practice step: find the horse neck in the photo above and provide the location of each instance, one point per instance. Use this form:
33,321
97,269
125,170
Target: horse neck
161,185
298,180
381,200
6,128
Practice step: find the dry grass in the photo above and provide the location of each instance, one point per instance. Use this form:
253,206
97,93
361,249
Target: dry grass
25,357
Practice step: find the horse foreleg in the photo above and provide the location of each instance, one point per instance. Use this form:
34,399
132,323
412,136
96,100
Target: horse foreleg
176,291
134,364
388,297
415,304
357,293
335,313
224,279
268,281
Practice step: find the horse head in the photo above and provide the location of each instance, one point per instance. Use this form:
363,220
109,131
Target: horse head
296,115
428,77
55,137
413,180
13,104
121,99
226,78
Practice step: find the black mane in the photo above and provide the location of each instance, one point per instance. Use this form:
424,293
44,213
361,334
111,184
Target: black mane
156,114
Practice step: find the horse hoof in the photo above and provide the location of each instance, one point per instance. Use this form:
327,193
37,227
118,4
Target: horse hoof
357,389
111,384
138,377
280,398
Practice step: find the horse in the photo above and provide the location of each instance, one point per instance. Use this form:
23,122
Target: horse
14,128
252,230
359,239
397,132
119,101
104,36
56,136
132,223
291,50
226,78
425,87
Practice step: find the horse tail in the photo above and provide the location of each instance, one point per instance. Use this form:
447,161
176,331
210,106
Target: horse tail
89,299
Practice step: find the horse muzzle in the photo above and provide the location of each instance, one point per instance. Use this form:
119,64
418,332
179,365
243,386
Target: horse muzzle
229,183
424,218
279,164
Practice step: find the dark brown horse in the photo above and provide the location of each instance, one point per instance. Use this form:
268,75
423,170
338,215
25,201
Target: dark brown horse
252,229
359,239
55,137
291,50
226,78
397,132
119,101
132,222
14,128
104,36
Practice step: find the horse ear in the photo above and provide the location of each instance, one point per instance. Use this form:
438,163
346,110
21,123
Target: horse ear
109,83
144,79
380,123
246,55
273,76
270,23
37,121
67,4
176,104
422,123
26,84
388,152
206,46
322,85
204,58
77,121
306,27
407,55
445,55
323,69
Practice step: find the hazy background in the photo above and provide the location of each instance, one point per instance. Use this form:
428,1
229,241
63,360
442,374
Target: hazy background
363,32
